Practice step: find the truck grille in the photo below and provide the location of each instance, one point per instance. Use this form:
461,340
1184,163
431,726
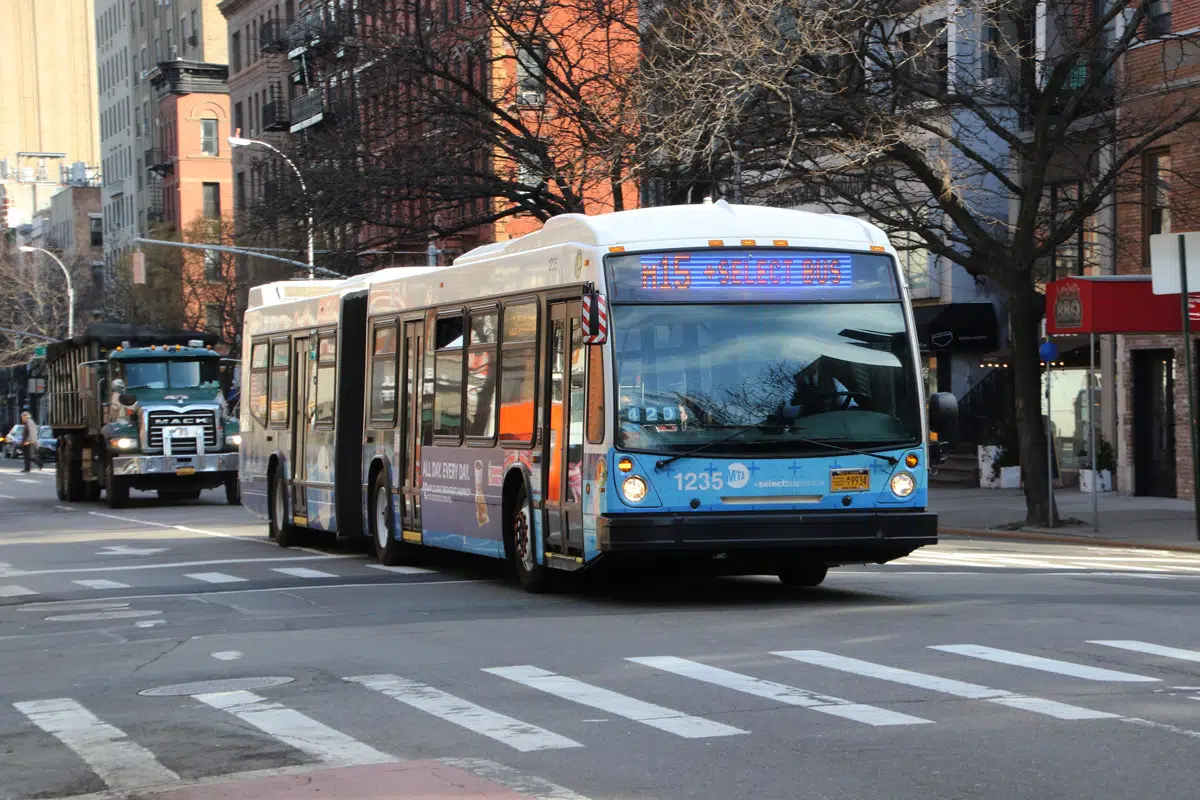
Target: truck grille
158,420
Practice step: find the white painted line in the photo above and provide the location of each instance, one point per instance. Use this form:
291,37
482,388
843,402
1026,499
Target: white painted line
1162,726
15,591
970,691
100,583
655,716
7,497
64,508
401,570
504,729
203,532
214,577
303,572
524,785
778,692
1042,664
297,730
122,764
1149,649
173,565
227,655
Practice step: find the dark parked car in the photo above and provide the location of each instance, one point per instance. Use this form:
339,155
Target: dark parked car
47,444
12,442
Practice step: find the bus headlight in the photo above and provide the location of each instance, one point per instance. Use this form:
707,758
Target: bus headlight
634,489
902,484
235,439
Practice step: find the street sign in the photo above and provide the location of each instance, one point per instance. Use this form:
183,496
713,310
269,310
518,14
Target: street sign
1048,351
39,351
1164,261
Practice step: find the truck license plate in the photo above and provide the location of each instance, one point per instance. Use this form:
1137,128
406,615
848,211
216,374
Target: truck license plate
186,471
849,480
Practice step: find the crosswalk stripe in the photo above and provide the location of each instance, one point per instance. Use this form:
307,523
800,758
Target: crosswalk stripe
1043,664
15,591
970,691
214,577
303,572
665,719
1150,649
505,729
295,729
121,763
400,570
98,583
781,693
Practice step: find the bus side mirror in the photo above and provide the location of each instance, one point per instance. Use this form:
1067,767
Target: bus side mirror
594,325
943,420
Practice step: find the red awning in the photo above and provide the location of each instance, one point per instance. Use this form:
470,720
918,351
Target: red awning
1110,304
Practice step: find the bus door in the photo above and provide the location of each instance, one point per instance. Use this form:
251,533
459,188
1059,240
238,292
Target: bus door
563,430
302,416
409,441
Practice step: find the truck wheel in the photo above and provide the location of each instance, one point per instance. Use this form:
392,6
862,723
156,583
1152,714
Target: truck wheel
233,493
532,576
116,488
390,551
803,576
60,477
72,471
283,531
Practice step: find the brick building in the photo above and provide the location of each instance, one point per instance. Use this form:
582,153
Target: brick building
1153,446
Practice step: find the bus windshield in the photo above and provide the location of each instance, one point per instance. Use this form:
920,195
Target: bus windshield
170,374
841,373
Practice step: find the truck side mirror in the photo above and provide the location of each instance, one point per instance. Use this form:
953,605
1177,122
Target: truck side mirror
943,420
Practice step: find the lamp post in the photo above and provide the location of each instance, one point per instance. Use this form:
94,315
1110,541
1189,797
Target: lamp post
70,287
238,141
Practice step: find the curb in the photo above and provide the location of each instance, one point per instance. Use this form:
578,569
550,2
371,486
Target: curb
1061,538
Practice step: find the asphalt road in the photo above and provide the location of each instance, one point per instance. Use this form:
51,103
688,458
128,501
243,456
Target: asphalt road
174,652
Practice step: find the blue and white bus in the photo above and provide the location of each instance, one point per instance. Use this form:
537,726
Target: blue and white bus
734,386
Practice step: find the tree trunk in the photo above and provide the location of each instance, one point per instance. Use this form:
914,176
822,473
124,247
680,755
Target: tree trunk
1026,308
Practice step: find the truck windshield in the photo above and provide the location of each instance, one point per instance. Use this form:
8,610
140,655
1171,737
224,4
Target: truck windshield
170,374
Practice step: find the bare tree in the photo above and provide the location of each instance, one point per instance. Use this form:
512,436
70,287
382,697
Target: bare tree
997,138
33,303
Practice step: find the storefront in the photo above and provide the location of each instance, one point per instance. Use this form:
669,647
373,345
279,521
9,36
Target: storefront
1152,448
952,337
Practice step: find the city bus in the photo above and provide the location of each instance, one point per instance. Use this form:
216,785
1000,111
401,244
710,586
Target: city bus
732,386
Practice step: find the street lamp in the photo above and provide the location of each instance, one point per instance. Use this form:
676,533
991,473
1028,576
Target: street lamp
238,141
70,287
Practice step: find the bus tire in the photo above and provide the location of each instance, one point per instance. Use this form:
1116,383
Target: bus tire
280,527
803,576
390,551
531,575
116,488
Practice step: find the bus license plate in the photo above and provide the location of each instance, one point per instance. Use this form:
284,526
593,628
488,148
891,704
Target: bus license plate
849,480
186,471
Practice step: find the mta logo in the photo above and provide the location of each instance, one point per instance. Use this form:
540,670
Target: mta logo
739,476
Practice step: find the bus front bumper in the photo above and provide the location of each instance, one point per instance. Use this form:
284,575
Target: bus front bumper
835,537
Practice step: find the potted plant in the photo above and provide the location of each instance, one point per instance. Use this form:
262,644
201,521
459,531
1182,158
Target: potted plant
1101,479
999,463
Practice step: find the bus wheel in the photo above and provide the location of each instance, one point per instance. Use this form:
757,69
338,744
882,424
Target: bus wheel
804,576
530,574
390,551
281,529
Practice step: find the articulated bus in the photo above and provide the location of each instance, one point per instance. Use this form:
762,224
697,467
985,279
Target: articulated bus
733,386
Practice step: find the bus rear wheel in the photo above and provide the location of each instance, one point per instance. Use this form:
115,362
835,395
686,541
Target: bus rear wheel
532,576
281,529
803,576
390,551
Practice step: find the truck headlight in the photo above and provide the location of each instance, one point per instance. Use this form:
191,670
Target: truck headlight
235,439
634,489
123,443
902,484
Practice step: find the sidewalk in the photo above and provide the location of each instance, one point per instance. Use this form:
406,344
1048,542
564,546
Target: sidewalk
1130,521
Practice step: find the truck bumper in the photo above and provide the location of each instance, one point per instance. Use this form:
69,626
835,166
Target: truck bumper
182,466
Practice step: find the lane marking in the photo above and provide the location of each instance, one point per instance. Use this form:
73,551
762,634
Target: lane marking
26,480
203,532
214,577
7,497
64,508
969,691
294,588
1149,649
303,572
779,692
465,714
169,565
295,729
228,655
100,583
400,570
15,591
97,616
1162,726
665,719
121,763
1042,664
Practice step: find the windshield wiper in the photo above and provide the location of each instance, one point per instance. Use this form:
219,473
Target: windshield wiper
662,462
892,461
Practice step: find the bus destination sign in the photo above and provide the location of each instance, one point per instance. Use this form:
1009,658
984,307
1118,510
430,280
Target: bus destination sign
684,272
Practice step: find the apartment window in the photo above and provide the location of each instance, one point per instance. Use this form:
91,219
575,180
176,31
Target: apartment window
213,318
518,352
235,51
448,377
1069,255
1158,18
170,43
96,228
240,188
212,200
531,75
990,60
239,121
196,26
212,266
1157,193
183,35
208,137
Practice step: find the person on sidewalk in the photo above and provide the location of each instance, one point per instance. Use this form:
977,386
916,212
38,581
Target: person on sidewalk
30,441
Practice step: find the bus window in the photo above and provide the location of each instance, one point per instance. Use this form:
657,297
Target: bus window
518,350
481,375
595,395
326,379
383,375
448,376
280,363
258,382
